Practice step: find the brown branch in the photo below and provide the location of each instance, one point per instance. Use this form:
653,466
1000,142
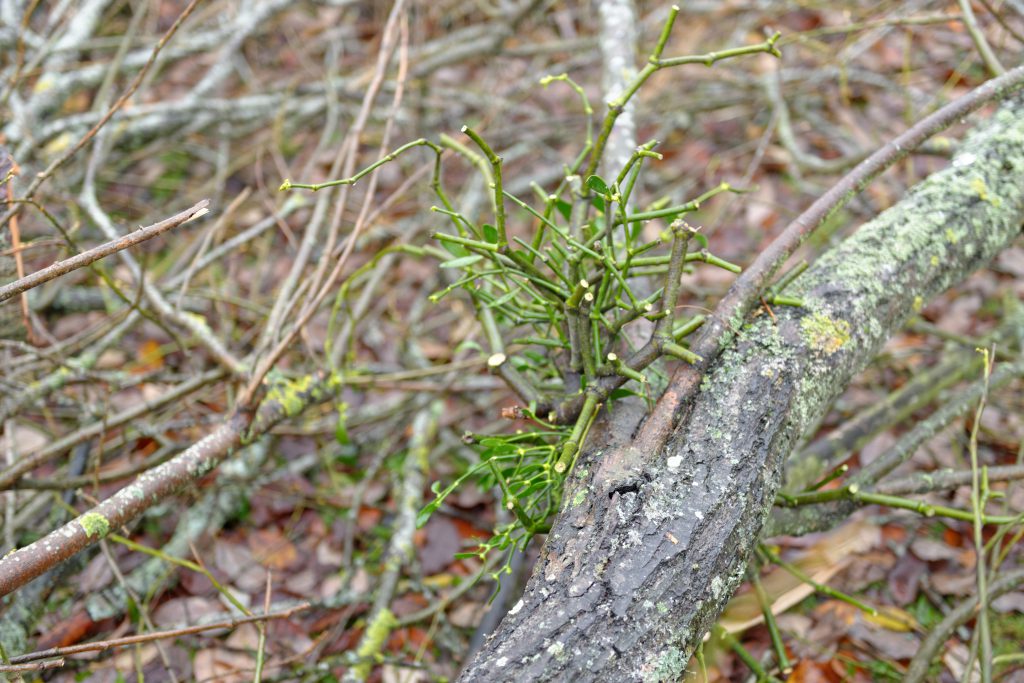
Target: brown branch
240,427
633,576
24,668
101,645
96,253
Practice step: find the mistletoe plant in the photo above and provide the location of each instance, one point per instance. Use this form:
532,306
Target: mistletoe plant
556,293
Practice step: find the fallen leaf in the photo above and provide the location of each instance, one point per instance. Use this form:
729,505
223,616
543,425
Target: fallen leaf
149,357
222,665
439,540
955,658
27,438
821,561
958,584
930,550
467,614
272,549
905,578
396,674
178,612
1009,602
893,619
885,643
808,671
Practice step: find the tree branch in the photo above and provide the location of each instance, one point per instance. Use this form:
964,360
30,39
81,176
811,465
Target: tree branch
635,571
96,253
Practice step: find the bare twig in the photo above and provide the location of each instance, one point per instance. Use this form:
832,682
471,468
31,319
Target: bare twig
930,646
322,280
240,427
984,49
96,253
29,461
926,482
103,645
20,668
745,292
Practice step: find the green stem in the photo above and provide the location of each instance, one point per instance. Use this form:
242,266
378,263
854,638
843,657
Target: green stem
769,622
748,659
688,328
499,195
466,242
820,588
624,370
680,352
572,446
710,58
422,142
674,211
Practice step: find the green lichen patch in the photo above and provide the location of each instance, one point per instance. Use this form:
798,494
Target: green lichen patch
981,188
557,650
290,395
824,333
376,636
668,665
94,524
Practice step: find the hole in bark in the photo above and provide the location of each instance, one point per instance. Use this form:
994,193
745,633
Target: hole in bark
629,486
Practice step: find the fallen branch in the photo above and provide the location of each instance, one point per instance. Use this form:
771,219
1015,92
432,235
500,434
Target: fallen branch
96,253
282,401
654,537
102,645
745,293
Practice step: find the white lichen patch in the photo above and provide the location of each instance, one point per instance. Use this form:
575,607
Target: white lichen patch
965,159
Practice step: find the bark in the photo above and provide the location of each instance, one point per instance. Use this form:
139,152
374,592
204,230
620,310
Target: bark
11,326
653,539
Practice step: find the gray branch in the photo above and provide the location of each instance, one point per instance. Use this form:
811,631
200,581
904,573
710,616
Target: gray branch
652,540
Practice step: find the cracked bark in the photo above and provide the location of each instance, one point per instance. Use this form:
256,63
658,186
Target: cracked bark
653,538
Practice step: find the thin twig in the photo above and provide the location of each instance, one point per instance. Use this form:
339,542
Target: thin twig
96,253
102,645
745,293
984,49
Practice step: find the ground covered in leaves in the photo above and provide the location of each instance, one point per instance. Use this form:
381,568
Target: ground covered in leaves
315,522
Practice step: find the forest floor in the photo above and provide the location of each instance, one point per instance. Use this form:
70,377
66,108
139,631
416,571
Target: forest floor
244,97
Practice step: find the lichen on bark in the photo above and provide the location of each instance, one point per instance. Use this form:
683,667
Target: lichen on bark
688,521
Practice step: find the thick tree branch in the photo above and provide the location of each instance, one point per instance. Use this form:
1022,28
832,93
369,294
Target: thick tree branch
640,563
